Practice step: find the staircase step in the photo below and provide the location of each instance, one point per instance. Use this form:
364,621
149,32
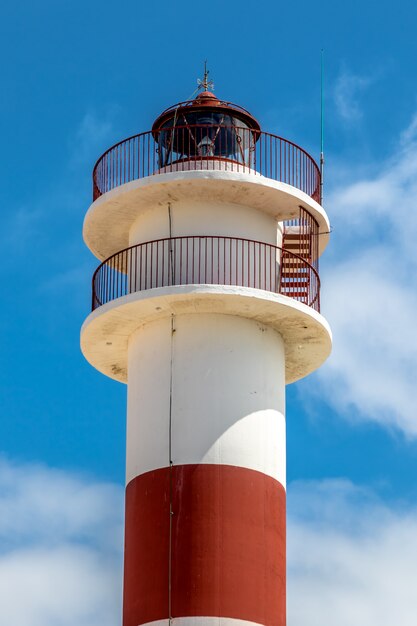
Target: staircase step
288,284
305,254
296,241
294,258
295,294
290,248
294,272
294,263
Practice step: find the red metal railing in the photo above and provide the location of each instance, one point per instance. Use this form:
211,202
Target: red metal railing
206,260
209,148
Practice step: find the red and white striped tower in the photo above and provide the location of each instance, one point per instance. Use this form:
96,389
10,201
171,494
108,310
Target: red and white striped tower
206,304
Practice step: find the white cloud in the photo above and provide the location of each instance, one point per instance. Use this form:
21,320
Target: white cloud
351,559
90,138
43,504
347,91
410,133
61,542
59,586
370,293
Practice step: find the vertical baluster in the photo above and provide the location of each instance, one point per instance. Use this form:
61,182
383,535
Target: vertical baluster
134,269
280,159
113,280
237,262
111,164
156,284
143,159
212,267
106,295
117,275
231,241
174,261
133,160
199,260
219,264
146,246
148,141
138,145
261,139
242,266
193,260
163,262
187,266
100,287
248,258
180,259
123,274
224,261
138,275
205,259
110,282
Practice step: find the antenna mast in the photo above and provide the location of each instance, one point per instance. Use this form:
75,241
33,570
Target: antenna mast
321,127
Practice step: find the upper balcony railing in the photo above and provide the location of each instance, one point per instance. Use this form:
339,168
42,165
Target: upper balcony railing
208,260
206,147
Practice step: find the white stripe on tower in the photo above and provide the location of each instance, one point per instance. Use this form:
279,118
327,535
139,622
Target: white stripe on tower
203,621
228,395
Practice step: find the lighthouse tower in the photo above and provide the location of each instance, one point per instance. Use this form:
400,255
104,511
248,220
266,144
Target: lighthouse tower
206,303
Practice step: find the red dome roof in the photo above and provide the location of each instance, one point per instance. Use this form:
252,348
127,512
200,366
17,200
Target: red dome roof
205,101
206,97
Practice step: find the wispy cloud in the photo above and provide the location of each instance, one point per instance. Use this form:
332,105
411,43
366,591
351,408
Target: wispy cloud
351,559
64,585
60,548
90,138
347,94
370,293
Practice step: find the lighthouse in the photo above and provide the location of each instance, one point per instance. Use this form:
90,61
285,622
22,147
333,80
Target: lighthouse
206,304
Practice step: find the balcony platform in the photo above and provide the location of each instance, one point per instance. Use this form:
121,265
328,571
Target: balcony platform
106,331
110,217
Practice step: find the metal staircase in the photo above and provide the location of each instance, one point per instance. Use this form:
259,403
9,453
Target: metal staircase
295,273
299,255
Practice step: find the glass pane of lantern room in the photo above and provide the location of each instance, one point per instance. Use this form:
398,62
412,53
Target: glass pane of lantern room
245,141
204,135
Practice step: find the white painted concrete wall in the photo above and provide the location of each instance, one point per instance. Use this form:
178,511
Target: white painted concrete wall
203,260
211,261
228,394
203,217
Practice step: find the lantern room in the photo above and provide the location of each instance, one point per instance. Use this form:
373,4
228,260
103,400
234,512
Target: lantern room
205,129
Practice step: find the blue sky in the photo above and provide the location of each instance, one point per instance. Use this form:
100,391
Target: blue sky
77,77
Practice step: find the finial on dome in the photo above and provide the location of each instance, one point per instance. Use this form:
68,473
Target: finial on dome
205,84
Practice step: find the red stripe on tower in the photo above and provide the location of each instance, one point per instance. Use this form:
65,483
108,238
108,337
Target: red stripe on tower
227,545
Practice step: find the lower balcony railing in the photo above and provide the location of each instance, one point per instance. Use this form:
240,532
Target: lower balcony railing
208,260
